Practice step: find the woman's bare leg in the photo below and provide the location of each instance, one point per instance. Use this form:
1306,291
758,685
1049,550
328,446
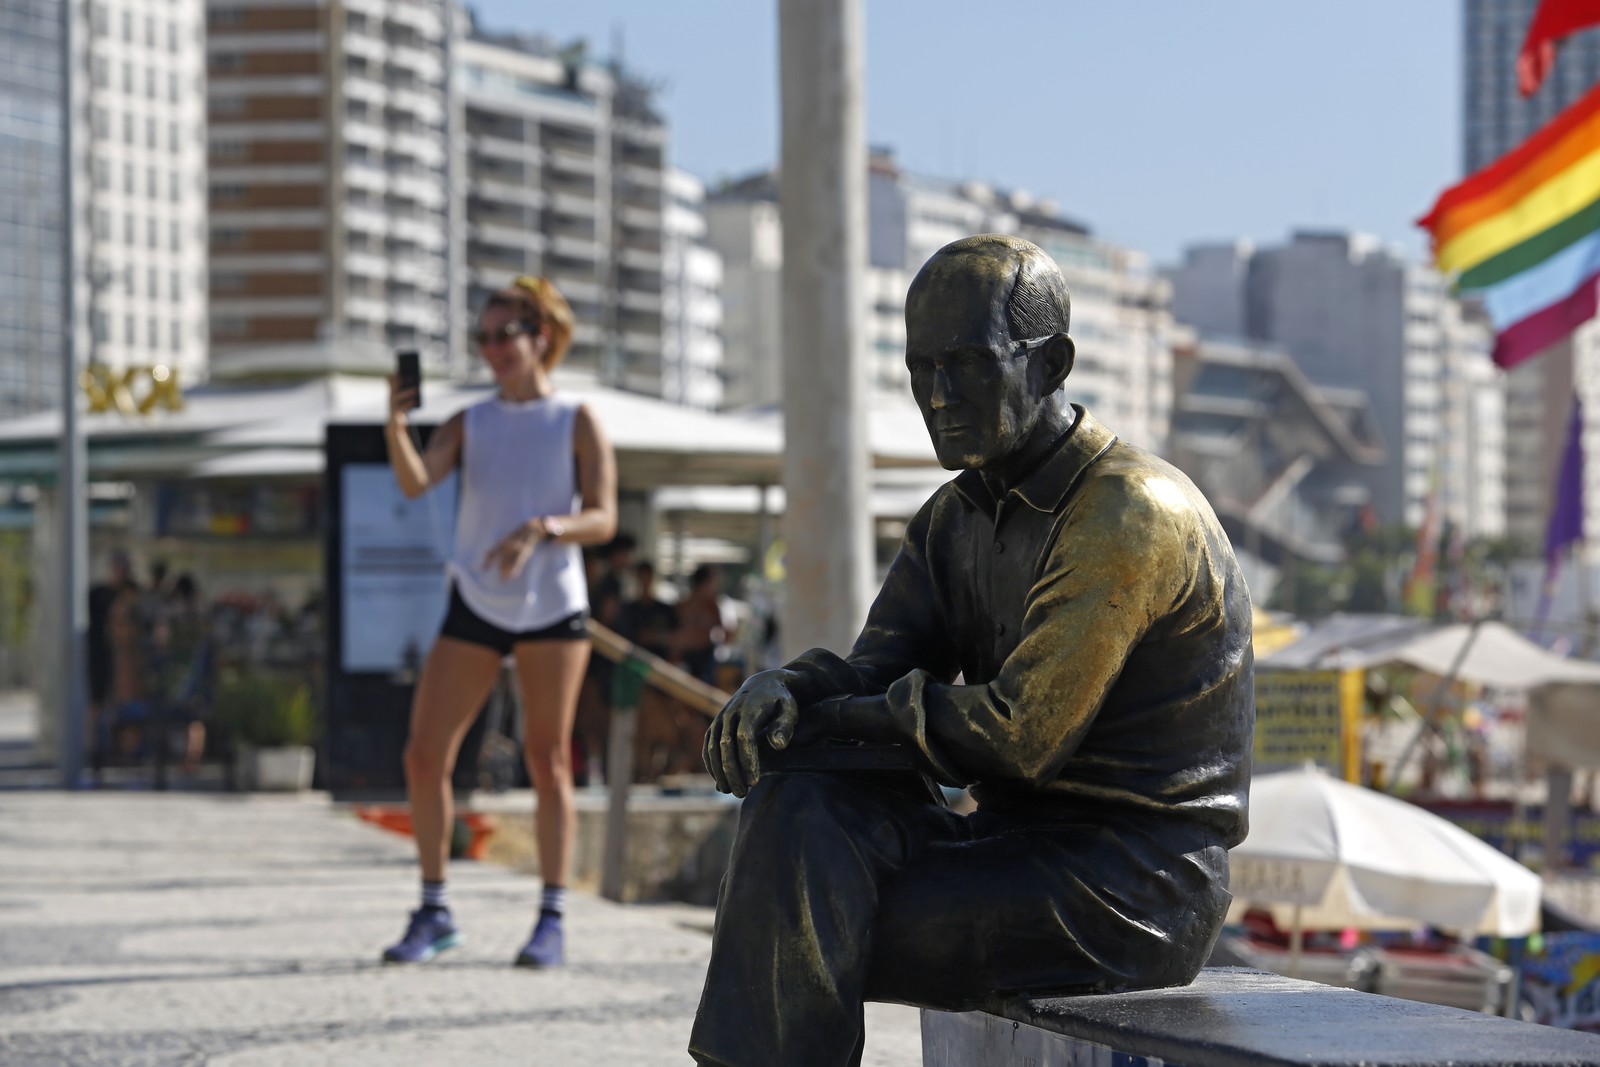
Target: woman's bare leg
549,675
455,681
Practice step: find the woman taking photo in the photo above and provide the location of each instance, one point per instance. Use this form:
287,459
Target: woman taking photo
538,481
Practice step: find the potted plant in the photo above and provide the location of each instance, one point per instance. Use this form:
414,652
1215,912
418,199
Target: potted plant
273,724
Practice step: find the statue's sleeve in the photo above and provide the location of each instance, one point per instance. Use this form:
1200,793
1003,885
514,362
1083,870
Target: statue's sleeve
905,631
1124,556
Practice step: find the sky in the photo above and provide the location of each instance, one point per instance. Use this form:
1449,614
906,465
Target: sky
1159,123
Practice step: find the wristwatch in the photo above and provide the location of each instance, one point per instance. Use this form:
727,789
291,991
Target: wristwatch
553,528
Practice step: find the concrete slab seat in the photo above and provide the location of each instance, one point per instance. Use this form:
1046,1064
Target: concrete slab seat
1233,1016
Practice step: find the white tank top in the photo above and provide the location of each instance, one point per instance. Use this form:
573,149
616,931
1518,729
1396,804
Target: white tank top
517,464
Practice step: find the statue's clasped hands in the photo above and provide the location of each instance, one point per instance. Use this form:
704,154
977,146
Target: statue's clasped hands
762,710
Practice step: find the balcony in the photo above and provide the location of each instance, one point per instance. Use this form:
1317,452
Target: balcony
576,247
635,300
507,236
640,260
569,161
367,265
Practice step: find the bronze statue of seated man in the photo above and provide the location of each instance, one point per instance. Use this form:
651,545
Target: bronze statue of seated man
1087,599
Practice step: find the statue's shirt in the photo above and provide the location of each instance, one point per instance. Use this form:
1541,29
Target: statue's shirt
1101,630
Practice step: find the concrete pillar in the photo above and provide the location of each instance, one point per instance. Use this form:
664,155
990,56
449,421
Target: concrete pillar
822,195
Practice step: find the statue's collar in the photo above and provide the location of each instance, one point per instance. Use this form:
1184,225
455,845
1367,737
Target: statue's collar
1047,487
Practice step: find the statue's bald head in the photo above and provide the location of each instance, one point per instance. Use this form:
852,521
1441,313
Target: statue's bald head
1014,277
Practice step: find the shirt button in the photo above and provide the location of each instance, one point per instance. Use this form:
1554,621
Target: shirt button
1000,629
999,546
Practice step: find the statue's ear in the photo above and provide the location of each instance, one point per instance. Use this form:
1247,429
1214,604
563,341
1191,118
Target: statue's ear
1055,362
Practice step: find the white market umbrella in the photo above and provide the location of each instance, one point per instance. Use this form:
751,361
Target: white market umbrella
1328,855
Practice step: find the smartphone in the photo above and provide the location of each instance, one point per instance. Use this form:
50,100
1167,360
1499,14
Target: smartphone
408,372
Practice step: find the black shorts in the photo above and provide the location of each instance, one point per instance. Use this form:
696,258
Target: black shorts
464,624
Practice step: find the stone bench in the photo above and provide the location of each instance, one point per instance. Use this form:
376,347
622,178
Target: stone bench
1232,1016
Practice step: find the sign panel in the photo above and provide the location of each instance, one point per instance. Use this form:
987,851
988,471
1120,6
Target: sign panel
1307,717
392,555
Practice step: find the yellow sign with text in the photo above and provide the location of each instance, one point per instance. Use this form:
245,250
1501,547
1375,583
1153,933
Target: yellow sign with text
132,390
1309,716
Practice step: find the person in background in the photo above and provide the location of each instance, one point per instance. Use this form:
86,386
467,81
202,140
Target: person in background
608,595
186,668
702,629
99,653
538,482
647,621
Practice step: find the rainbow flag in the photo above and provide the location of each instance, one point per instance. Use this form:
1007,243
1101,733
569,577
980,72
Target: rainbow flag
1524,233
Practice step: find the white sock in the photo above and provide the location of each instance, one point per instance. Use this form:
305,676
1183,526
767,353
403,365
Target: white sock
435,895
554,899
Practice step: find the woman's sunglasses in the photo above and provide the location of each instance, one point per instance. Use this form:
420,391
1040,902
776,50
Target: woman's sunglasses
485,338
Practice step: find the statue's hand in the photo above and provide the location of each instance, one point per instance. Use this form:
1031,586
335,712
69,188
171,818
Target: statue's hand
762,708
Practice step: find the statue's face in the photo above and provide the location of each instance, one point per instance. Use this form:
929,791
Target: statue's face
970,379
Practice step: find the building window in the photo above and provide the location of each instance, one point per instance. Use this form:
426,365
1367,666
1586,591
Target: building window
102,224
97,324
154,333
152,232
102,174
127,26
152,133
172,86
176,236
150,31
128,178
130,330
150,82
154,281
172,37
102,73
172,136
130,230
127,78
127,128
174,288
100,19
102,123
174,187
152,183
176,333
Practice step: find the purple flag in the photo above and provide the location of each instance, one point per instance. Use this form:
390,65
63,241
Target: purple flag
1566,510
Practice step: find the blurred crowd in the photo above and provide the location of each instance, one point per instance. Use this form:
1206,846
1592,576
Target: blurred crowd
700,629
155,650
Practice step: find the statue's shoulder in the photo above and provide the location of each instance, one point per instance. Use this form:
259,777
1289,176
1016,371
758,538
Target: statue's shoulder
1138,491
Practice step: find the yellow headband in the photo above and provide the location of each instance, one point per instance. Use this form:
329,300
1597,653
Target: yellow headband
530,283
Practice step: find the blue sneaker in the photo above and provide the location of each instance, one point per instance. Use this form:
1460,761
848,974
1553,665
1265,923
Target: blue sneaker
431,931
546,947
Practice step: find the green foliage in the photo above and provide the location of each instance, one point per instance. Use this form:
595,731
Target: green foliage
1375,568
267,710
16,587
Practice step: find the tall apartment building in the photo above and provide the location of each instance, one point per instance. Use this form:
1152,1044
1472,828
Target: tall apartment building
564,175
32,206
1496,118
691,272
1355,315
1120,317
143,247
744,227
329,182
